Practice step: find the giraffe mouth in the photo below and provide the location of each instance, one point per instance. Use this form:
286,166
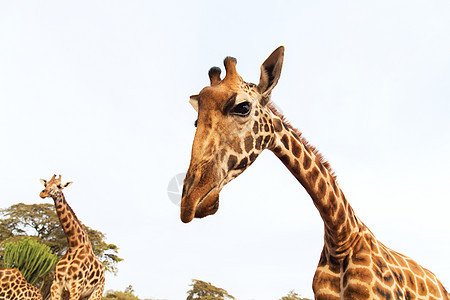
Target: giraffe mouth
207,205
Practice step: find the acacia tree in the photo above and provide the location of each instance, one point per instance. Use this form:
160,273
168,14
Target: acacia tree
292,295
127,294
202,290
41,222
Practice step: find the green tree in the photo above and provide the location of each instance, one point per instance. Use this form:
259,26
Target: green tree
41,222
116,295
202,290
127,294
33,259
292,295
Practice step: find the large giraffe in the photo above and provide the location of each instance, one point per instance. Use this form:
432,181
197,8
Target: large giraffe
79,274
235,124
13,286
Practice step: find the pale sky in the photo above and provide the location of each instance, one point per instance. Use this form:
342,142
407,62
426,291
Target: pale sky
97,91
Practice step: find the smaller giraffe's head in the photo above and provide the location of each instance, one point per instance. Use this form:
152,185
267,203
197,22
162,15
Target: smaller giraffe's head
234,126
52,187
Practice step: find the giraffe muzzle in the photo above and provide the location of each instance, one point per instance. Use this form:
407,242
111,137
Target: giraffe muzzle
199,207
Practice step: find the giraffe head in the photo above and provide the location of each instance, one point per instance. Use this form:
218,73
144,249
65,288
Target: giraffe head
52,187
234,126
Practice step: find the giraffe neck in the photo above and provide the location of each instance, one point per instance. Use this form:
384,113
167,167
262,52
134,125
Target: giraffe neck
75,234
342,227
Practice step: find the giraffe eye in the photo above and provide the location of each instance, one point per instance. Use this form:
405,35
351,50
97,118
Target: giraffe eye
242,109
59,186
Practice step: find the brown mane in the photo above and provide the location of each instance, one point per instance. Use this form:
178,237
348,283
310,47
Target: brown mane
296,132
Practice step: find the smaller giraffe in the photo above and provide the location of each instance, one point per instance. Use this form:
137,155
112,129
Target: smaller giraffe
79,274
13,286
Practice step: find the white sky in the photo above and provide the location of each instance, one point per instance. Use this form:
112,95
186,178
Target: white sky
98,92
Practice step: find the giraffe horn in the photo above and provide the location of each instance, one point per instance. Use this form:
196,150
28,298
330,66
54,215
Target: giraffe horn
214,75
230,67
54,176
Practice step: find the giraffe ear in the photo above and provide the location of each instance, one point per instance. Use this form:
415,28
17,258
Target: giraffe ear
66,185
193,100
270,73
44,182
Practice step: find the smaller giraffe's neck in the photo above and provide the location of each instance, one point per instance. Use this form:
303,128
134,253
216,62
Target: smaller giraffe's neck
342,227
76,235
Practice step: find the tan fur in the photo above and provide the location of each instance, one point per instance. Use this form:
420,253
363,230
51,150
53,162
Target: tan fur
13,286
353,264
79,274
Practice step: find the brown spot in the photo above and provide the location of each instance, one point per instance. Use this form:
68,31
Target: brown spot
296,149
351,216
421,287
306,162
235,145
242,164
356,291
266,141
256,113
277,125
322,188
277,149
380,264
248,142
340,218
410,279
399,278
296,169
398,294
266,127
361,259
322,169
332,203
335,188
253,156
386,255
285,141
285,160
432,288
382,292
232,160
258,142
312,176
256,127
324,280
388,279
361,274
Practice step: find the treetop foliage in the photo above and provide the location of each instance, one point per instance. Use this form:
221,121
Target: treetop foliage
292,295
206,291
41,222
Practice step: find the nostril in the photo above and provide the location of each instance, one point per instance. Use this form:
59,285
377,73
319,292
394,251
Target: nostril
188,181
